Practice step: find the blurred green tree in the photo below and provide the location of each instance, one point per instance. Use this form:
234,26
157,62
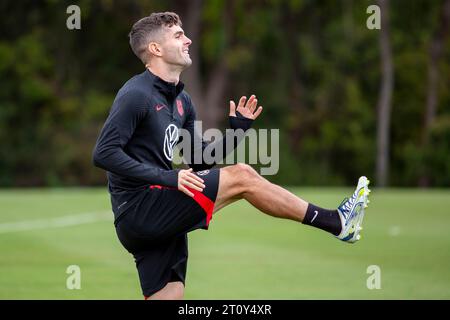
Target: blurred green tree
314,66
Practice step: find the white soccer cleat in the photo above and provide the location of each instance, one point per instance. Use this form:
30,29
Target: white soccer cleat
351,212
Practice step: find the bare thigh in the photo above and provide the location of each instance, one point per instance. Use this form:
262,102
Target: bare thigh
241,181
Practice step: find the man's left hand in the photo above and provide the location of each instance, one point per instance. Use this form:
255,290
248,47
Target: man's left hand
246,108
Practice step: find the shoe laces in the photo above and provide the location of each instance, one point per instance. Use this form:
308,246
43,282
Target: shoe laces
347,205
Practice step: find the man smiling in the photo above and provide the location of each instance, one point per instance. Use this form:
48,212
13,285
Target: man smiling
156,206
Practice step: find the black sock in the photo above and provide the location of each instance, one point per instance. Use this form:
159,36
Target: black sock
324,219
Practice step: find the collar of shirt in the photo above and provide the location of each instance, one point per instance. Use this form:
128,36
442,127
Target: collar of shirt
169,89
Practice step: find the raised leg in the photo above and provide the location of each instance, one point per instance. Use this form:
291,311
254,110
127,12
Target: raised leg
241,181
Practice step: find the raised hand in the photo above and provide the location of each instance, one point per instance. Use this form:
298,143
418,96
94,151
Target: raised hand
247,110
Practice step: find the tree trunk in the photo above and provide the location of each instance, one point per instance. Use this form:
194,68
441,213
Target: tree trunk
436,48
296,91
435,56
207,91
385,98
190,14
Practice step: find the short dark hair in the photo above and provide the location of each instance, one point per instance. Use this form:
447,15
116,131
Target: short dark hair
145,30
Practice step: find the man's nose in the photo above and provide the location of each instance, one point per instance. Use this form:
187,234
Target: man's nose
188,41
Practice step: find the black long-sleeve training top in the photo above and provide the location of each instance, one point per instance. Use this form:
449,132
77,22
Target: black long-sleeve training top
136,142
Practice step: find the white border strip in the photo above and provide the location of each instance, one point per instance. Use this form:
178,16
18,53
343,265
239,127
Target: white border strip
59,222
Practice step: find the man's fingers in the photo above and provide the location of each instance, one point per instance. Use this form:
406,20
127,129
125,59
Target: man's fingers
187,178
186,191
196,182
241,102
246,107
191,185
250,101
252,107
189,173
232,109
195,177
258,112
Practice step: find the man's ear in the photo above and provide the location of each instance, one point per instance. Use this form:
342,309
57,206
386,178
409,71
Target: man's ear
154,49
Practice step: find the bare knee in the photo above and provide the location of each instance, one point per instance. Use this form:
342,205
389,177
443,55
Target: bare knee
172,291
235,181
244,175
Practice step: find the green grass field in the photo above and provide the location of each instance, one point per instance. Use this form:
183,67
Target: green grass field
244,255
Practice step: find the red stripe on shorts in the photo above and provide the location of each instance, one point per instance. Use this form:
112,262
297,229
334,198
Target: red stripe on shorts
200,198
204,202
157,186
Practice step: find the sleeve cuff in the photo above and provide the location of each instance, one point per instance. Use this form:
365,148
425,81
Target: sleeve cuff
171,178
240,122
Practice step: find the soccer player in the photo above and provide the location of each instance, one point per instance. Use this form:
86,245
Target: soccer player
156,206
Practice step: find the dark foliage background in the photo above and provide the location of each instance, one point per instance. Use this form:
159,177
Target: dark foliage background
316,67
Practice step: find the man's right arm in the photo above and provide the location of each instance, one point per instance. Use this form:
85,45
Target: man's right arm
109,151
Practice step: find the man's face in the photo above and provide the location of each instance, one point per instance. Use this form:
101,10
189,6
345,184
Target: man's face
175,47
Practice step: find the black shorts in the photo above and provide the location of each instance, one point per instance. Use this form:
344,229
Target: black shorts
154,229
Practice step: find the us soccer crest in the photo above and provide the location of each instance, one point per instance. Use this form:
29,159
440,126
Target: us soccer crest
180,107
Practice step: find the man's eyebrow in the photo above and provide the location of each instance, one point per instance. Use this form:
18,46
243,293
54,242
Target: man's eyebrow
178,33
